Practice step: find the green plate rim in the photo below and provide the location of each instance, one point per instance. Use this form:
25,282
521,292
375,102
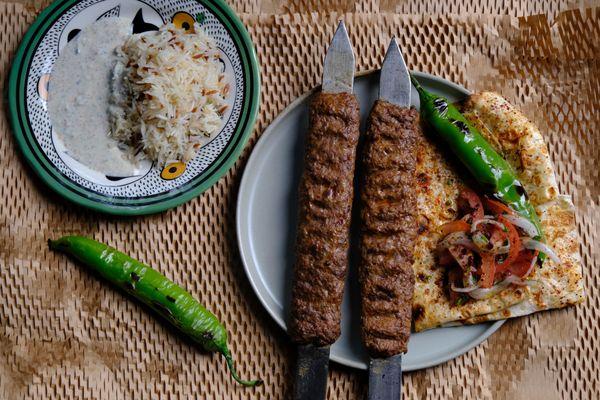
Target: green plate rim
111,205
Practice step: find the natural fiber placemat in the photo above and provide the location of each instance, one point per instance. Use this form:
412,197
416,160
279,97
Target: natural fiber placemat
65,334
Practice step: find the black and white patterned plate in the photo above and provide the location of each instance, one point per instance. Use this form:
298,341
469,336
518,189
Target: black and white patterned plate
151,189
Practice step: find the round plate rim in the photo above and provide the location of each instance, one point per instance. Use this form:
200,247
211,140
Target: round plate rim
245,251
125,209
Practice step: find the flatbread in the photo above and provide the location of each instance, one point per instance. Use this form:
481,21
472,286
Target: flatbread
441,180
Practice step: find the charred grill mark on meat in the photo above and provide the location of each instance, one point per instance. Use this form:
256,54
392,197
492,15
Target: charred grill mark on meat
388,228
325,203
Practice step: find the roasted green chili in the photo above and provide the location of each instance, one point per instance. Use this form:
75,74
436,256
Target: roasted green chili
485,164
154,289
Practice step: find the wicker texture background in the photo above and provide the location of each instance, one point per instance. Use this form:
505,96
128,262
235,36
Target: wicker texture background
64,334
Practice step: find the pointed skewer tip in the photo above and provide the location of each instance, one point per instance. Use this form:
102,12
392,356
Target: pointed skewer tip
338,66
341,27
393,45
392,52
341,37
394,79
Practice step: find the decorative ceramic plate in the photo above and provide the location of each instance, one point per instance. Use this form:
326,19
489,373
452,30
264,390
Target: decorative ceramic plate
266,224
151,189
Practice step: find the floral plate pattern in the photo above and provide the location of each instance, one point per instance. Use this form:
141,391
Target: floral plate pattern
151,189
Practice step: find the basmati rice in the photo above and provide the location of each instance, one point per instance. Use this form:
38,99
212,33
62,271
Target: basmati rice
172,93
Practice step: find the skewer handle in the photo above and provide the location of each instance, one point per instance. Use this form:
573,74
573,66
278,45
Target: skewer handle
310,373
385,378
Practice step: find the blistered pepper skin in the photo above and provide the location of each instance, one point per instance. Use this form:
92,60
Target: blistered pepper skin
152,288
488,167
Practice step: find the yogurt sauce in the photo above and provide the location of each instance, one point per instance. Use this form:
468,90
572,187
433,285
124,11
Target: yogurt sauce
79,96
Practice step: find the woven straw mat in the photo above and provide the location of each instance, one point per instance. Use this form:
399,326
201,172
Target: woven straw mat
64,334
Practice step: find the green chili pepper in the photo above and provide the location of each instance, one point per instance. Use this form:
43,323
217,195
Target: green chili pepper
485,164
154,289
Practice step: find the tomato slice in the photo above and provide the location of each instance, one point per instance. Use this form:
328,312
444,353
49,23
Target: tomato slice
496,207
523,262
515,245
470,205
487,270
454,226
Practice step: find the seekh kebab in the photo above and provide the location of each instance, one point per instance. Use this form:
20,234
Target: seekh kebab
326,193
325,197
388,226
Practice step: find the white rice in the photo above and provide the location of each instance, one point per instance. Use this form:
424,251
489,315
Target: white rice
168,94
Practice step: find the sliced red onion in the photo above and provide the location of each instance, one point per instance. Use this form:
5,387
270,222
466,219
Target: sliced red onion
527,226
501,250
457,239
481,293
531,266
487,221
469,279
482,242
463,290
515,280
532,244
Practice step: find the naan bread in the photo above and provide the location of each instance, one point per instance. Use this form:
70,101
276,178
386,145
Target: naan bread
441,180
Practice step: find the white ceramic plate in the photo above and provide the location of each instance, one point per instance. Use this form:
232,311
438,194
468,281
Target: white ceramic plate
266,223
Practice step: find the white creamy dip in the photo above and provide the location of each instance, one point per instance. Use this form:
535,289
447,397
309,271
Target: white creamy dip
79,95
